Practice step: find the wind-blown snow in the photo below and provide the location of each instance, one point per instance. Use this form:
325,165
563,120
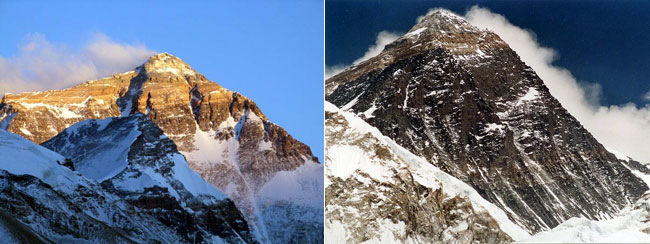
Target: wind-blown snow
207,145
213,152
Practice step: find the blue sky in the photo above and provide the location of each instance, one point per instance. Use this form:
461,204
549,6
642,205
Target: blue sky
270,51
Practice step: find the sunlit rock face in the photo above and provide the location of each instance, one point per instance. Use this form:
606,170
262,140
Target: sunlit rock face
459,97
223,134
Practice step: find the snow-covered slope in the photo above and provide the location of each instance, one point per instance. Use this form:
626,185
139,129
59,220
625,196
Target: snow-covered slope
131,156
371,181
20,157
42,201
114,149
631,225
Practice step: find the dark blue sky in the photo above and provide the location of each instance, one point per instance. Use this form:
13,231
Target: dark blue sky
270,51
598,41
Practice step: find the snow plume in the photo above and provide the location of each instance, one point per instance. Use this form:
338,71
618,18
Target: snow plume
383,38
333,70
42,65
625,127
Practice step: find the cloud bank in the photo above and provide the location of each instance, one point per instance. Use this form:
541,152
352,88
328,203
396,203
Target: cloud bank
625,128
42,65
383,38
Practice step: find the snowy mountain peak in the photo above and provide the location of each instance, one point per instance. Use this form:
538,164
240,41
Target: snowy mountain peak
167,63
442,20
438,31
442,28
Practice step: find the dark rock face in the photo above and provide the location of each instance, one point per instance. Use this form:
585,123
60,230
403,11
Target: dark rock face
461,98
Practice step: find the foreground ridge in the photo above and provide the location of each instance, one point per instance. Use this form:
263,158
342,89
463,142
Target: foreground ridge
378,191
152,197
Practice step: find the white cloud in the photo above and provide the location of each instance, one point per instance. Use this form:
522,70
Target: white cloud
625,128
646,96
42,65
383,38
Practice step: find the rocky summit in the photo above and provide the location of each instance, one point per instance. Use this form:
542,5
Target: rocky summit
224,136
459,98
